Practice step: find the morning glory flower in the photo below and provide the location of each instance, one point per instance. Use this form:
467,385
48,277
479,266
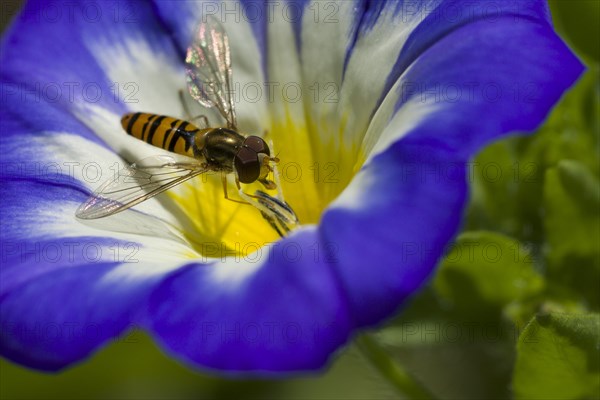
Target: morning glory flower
374,108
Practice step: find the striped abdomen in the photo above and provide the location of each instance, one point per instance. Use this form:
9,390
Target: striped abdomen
172,134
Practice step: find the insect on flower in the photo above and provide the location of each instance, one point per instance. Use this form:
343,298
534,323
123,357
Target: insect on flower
218,149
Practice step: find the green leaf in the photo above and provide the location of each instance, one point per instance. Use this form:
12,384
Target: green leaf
581,184
572,131
486,271
507,177
558,358
494,177
572,225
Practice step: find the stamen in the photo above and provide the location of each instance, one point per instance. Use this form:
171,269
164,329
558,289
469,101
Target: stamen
280,214
277,214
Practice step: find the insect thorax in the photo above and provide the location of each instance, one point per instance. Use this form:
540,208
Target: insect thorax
219,147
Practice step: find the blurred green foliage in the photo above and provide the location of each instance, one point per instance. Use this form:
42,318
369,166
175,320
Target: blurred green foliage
512,312
134,368
558,358
489,267
577,21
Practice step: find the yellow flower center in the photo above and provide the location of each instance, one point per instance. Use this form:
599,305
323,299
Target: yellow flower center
312,175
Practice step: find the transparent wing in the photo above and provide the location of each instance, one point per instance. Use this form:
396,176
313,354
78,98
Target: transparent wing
208,69
139,182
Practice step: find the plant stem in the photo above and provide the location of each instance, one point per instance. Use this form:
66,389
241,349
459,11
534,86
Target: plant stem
393,372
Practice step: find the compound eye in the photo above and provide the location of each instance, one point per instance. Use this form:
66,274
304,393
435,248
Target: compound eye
257,144
247,165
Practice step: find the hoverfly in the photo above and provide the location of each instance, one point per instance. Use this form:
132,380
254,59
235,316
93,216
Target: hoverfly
219,149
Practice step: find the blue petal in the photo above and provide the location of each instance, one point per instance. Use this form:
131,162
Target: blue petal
407,206
389,237
373,249
62,295
56,304
442,17
181,17
483,83
25,114
63,315
282,312
58,300
50,51
393,35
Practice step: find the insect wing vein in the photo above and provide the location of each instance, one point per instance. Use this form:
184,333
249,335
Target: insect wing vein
208,69
137,183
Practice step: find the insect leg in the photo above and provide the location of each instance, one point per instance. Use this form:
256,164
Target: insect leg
275,170
203,118
224,182
243,194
